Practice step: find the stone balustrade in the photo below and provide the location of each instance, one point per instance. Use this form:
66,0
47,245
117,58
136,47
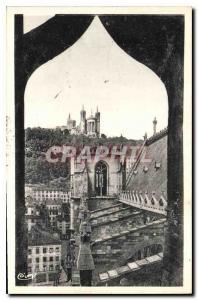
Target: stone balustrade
157,136
130,267
145,201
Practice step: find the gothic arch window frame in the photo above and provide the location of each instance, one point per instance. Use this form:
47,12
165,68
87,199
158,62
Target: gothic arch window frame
107,176
144,52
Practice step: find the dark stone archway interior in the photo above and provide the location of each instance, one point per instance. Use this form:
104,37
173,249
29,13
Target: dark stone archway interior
157,41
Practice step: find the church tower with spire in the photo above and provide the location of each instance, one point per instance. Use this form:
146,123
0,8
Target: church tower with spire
70,123
83,122
97,116
154,126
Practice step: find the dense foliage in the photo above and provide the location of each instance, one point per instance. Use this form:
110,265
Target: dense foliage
39,140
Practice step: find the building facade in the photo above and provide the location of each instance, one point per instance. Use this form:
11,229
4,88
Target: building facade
41,194
36,215
54,208
44,255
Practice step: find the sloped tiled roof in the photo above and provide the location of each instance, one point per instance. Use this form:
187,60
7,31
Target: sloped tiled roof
38,237
153,179
85,259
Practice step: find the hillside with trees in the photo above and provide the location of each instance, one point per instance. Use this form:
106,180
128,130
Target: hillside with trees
39,140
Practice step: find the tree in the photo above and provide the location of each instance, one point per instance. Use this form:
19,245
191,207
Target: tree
103,136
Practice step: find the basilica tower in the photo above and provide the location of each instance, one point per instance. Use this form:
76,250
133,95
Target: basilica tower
97,116
83,122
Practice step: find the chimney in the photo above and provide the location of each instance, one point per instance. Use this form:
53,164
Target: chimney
154,126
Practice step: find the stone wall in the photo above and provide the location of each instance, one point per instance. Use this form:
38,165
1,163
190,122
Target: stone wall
99,203
80,183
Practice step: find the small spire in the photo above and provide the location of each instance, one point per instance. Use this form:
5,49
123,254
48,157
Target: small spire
83,107
69,117
97,108
154,126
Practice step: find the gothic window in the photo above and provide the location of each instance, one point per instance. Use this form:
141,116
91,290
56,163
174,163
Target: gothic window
101,178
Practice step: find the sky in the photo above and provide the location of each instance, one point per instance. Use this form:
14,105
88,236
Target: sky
93,72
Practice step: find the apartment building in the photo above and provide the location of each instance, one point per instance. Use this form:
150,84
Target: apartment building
44,255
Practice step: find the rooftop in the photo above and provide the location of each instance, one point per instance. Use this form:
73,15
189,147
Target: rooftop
38,237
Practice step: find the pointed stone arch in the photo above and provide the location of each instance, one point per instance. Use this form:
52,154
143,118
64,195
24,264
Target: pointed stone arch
157,42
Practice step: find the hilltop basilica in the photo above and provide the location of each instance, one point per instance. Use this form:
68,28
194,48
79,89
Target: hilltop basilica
88,126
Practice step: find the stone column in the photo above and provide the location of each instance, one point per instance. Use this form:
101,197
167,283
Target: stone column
72,215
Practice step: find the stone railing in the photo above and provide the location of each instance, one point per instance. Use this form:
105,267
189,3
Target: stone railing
144,201
157,136
130,267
